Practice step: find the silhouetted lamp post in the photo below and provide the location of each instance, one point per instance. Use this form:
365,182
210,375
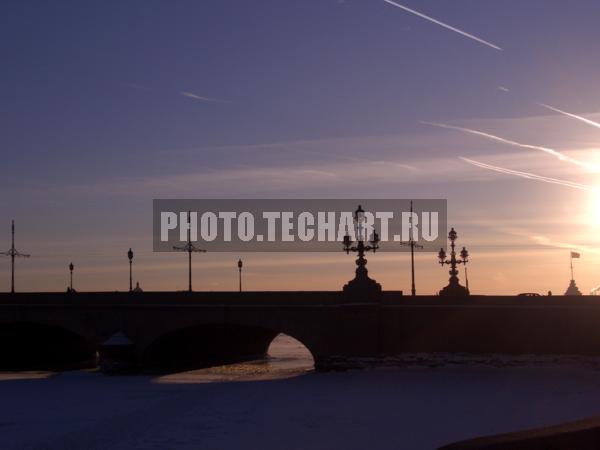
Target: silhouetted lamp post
189,248
412,244
130,256
240,265
71,267
13,252
361,285
454,288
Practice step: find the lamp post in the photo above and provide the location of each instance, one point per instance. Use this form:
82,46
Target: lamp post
13,252
240,265
412,244
454,288
189,248
361,285
130,256
71,267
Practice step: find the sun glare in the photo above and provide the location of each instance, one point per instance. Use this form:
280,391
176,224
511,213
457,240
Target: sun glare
594,210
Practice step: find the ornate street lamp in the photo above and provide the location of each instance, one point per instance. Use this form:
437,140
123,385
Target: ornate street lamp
454,288
361,285
189,248
71,267
130,256
240,265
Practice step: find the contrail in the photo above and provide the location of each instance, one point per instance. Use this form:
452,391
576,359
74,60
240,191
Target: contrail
204,99
445,25
529,176
568,114
550,151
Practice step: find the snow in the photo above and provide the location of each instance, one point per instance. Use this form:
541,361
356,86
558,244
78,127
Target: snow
283,405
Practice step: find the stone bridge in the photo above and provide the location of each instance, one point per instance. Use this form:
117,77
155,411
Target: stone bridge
202,328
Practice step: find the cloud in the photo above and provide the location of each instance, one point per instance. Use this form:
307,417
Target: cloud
546,241
201,98
184,93
529,176
503,89
568,114
548,150
252,180
445,25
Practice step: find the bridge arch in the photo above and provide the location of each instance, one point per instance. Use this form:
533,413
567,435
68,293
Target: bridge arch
38,345
206,344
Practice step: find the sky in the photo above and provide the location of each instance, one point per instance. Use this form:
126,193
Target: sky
107,105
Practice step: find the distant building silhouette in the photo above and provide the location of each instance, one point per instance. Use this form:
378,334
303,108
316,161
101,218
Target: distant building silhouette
573,289
137,287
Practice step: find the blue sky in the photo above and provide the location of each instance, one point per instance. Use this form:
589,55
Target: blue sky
306,98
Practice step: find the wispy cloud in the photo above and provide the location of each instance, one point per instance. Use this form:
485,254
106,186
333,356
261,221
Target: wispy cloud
568,114
503,89
544,240
529,176
184,93
202,98
442,24
493,137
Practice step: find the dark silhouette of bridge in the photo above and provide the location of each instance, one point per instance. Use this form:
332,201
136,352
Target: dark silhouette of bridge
164,329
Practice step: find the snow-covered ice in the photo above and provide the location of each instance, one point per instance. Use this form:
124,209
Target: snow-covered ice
284,406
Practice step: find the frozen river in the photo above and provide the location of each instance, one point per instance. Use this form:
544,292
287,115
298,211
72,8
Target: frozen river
282,404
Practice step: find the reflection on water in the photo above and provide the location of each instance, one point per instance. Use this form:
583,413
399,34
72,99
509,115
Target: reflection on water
287,358
25,375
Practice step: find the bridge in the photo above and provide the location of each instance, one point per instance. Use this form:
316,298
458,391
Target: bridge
164,329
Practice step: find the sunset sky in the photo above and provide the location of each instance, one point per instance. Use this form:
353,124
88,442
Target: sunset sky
108,105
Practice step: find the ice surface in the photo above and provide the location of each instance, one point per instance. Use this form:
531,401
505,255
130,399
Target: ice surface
409,408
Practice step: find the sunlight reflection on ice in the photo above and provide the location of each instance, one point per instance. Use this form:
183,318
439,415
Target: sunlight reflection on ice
28,375
287,358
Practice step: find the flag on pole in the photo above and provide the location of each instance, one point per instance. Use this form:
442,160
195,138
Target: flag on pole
575,255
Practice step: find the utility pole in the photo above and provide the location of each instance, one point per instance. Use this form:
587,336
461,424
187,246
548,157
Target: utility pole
130,257
412,244
13,252
189,248
71,267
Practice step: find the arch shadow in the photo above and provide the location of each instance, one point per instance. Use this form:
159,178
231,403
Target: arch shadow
31,345
209,345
